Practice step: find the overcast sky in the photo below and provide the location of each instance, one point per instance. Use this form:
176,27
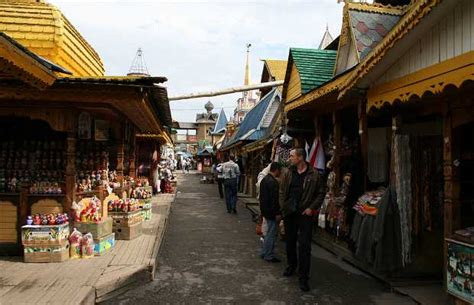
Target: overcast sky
200,45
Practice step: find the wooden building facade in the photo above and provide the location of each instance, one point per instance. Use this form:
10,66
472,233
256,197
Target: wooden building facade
407,103
62,136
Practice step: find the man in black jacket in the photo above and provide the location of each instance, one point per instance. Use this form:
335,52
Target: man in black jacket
302,192
270,210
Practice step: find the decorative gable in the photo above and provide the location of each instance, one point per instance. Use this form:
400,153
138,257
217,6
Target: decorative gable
363,28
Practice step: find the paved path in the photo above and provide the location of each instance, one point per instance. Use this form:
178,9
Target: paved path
209,256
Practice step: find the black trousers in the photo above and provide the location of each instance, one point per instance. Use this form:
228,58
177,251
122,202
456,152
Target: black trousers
299,231
219,186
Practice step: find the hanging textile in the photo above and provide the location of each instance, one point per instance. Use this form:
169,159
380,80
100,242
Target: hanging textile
377,155
282,151
387,234
403,179
315,154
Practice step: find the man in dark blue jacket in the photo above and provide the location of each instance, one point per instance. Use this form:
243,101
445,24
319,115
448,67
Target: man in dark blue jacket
270,210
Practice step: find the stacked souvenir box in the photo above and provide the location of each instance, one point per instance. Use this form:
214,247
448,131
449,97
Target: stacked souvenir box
104,238
143,194
45,243
100,226
127,218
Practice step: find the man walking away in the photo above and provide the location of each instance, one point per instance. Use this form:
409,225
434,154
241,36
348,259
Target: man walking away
270,210
302,192
220,178
230,173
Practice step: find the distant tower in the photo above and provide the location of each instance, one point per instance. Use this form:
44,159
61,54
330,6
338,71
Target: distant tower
247,101
209,107
247,66
327,39
138,67
247,94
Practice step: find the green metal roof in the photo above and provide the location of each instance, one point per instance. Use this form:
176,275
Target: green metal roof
315,66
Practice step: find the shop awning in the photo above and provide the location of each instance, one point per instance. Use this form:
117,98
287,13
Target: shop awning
452,72
145,105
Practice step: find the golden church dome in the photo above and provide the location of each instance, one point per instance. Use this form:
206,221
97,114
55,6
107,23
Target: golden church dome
44,30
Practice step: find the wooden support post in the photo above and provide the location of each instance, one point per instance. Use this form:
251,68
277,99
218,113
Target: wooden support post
132,155
120,156
336,120
70,170
452,210
363,138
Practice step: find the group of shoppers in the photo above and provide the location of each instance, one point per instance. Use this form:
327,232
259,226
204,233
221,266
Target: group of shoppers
293,195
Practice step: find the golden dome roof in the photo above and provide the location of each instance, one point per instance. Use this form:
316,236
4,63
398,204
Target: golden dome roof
44,30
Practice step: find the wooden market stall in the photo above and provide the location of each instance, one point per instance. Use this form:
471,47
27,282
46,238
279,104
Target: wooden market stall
427,94
413,91
63,136
318,120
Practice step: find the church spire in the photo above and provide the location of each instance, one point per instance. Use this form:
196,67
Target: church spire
327,39
138,67
247,66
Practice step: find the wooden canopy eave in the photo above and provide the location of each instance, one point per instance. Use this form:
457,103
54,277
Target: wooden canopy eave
130,102
434,79
232,146
163,138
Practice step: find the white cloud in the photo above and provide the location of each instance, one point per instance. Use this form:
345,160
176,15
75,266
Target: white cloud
200,45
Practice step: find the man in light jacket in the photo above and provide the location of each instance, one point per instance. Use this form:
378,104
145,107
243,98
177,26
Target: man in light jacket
230,174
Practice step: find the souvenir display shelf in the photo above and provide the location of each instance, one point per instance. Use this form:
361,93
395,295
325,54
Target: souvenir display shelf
32,170
36,165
